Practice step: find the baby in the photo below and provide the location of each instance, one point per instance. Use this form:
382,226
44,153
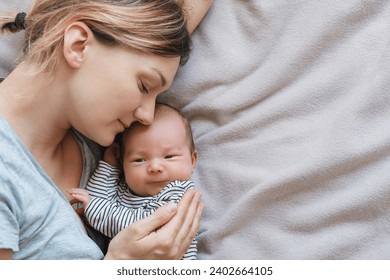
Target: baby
156,162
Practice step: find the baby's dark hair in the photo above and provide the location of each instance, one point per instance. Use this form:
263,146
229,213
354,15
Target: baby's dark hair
162,110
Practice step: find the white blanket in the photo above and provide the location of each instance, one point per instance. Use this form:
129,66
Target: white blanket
290,107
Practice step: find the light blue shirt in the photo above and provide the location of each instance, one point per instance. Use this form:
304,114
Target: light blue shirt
37,221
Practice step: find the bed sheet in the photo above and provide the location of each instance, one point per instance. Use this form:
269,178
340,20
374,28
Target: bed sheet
290,106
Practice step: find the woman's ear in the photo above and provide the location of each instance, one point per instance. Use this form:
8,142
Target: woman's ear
77,37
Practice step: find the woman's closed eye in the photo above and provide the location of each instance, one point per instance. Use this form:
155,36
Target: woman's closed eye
144,89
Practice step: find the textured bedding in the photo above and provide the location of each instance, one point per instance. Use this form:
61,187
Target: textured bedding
290,107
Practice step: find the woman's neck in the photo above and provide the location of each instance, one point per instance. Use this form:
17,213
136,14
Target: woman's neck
34,109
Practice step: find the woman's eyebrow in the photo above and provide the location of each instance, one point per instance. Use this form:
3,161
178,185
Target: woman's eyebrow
162,78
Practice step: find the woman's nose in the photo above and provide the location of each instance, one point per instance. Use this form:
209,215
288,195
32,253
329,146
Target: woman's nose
145,113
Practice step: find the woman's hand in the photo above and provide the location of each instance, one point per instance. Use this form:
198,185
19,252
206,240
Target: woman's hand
166,234
6,254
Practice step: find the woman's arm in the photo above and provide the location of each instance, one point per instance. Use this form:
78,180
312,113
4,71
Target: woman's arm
166,234
5,254
195,10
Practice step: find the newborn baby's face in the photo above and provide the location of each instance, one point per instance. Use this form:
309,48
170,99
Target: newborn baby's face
156,155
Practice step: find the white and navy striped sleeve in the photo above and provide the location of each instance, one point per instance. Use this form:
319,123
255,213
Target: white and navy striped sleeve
103,183
174,191
109,217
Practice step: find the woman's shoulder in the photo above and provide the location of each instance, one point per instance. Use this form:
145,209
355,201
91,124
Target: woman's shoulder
17,166
13,154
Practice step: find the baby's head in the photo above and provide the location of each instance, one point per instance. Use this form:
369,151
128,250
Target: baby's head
157,154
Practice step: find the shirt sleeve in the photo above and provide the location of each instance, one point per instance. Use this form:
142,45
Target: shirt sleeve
110,218
10,204
174,191
103,183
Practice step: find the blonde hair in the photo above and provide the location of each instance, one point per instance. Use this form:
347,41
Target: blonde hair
150,26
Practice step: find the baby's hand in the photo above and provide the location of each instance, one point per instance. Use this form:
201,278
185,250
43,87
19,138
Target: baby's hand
80,195
112,155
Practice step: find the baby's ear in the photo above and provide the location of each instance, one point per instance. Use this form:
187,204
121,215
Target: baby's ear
194,158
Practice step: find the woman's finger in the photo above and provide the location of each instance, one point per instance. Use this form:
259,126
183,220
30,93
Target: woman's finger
181,230
159,218
139,240
174,226
191,223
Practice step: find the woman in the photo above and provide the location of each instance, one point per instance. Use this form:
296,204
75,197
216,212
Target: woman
90,69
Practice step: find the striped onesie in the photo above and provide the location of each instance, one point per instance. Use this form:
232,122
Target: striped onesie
113,206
